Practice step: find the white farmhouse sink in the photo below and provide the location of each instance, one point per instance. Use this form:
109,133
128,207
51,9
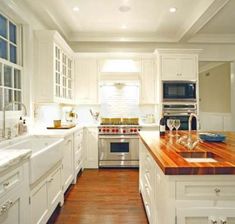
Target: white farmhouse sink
46,152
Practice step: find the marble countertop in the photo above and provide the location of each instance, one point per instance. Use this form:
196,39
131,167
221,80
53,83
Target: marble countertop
11,157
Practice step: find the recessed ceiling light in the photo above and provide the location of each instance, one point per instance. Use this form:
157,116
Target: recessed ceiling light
75,9
172,10
123,26
124,8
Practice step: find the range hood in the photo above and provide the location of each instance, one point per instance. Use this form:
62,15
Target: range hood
120,70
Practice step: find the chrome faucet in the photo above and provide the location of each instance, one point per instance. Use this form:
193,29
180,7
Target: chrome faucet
4,115
187,141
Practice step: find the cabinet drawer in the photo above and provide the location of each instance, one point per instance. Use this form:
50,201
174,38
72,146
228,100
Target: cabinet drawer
205,190
10,180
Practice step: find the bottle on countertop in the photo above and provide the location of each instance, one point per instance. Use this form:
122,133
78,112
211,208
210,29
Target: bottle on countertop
25,127
162,126
20,126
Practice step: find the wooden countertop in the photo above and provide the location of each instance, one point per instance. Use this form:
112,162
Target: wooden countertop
165,151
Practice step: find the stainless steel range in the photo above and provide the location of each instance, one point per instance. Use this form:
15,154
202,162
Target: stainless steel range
119,146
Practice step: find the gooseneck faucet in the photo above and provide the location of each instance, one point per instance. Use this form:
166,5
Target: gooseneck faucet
188,141
4,114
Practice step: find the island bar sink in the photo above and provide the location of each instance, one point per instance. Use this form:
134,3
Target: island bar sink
200,157
46,152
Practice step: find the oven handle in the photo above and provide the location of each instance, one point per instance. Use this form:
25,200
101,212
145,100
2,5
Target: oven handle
176,114
118,137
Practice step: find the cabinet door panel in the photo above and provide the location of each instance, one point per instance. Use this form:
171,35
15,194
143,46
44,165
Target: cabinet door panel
170,67
86,81
54,187
148,81
188,68
39,205
68,163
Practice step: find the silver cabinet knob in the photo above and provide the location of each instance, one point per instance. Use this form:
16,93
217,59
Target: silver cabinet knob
213,221
217,190
223,221
6,184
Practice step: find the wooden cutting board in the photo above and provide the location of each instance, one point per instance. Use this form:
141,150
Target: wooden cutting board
63,127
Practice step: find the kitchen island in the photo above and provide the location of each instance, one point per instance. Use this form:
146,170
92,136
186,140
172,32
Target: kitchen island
176,189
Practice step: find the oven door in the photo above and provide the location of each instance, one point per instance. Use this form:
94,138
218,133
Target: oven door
183,121
118,148
179,91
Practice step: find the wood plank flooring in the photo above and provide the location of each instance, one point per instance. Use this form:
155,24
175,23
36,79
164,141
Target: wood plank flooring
105,196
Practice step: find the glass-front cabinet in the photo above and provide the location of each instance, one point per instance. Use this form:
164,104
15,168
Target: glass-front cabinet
54,79
63,74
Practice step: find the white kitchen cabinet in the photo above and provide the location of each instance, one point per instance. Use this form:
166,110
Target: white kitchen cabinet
177,64
86,81
148,82
68,162
91,144
206,215
185,199
78,153
54,81
46,195
14,201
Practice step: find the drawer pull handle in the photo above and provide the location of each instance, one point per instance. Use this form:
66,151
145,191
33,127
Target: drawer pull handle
5,207
51,180
217,190
222,221
213,221
6,184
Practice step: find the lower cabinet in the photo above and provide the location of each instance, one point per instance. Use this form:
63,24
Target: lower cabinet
206,215
91,147
14,201
68,162
78,153
185,199
45,196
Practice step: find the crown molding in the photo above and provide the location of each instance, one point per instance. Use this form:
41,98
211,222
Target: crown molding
213,38
119,37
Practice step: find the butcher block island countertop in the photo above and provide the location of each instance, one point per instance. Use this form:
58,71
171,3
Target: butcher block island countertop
168,154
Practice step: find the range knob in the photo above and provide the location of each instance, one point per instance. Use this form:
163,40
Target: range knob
100,129
107,130
131,130
123,131
135,130
104,130
117,130
113,130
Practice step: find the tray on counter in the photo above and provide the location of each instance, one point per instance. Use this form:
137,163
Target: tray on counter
63,127
212,137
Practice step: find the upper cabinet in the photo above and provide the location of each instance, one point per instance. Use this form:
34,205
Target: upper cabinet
148,82
178,64
54,81
86,81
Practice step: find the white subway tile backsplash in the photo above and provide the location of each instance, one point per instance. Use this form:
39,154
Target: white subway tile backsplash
119,100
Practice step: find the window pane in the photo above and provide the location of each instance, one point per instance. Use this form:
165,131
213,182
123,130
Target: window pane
17,79
1,98
8,97
17,97
12,53
3,26
3,49
12,29
7,76
1,74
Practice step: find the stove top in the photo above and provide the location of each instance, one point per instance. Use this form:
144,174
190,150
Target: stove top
119,129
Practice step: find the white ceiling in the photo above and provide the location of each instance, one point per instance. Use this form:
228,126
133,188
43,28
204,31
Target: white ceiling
146,21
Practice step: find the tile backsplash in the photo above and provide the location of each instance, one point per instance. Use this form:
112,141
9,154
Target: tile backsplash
119,100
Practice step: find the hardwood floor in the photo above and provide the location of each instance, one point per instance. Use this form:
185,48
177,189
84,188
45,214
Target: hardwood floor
106,196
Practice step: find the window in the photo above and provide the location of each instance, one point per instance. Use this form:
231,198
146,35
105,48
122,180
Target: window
10,70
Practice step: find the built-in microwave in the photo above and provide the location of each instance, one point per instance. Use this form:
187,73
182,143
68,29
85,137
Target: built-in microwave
179,91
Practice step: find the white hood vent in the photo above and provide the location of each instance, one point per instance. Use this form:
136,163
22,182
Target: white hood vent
120,69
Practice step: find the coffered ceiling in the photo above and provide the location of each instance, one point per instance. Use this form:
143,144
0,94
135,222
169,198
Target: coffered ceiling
193,21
